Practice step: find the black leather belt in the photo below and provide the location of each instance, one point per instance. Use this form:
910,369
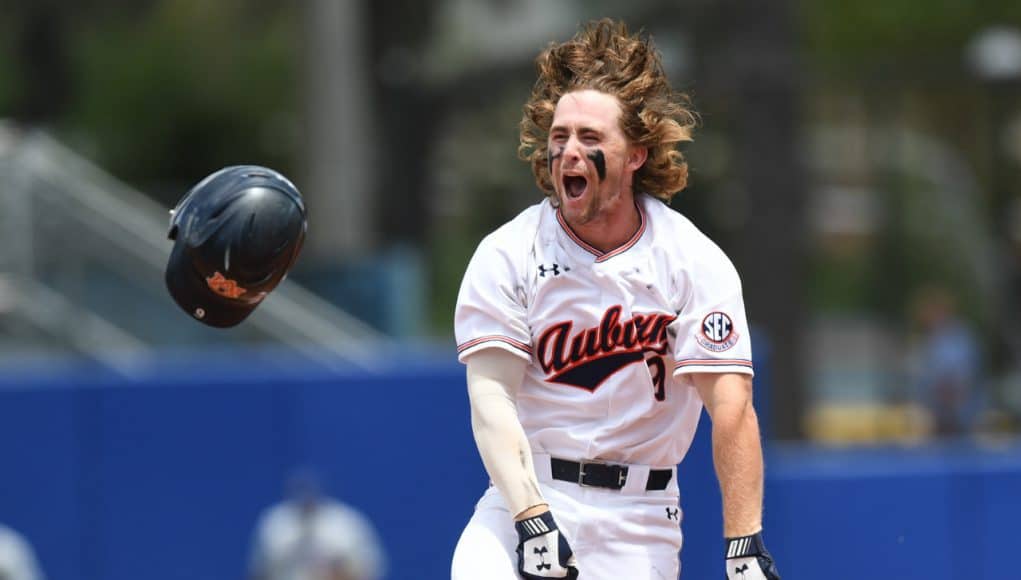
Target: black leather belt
606,475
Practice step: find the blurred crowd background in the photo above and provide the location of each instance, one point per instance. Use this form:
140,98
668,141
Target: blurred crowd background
859,161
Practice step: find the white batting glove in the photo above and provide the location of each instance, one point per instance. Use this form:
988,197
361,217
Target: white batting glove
543,552
748,559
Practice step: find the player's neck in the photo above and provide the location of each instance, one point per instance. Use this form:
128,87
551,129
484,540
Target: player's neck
610,230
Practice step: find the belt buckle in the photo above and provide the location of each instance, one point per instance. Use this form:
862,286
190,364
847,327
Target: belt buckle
621,472
581,471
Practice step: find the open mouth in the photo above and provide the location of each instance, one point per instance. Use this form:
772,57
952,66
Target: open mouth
574,186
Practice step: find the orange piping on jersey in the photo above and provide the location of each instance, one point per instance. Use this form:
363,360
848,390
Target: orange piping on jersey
603,256
497,338
712,362
630,243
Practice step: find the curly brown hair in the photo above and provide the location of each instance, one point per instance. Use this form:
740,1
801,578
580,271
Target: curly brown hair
605,57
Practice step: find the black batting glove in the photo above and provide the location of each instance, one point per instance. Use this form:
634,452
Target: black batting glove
748,559
543,552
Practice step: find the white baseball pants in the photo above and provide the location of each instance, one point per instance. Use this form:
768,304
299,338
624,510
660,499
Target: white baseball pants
630,533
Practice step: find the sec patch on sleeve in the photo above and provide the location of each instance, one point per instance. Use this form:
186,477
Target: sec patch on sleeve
717,333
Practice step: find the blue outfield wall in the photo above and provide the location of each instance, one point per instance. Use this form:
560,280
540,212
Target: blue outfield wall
162,475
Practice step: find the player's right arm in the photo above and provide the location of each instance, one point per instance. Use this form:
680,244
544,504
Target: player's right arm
494,342
494,376
493,338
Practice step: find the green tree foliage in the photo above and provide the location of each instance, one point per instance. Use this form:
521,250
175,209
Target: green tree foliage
184,87
7,79
870,35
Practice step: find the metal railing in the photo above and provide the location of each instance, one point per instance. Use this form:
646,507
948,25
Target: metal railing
83,256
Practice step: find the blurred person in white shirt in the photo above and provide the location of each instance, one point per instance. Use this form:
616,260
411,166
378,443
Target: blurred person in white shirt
17,560
313,537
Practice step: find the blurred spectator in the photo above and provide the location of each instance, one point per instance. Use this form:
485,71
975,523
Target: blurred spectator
947,373
312,537
17,561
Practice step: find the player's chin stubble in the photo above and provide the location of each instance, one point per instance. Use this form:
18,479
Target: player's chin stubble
592,210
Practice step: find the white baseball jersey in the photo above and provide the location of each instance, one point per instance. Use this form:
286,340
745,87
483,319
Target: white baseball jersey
610,336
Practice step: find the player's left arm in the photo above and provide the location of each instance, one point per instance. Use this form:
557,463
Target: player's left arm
737,455
737,451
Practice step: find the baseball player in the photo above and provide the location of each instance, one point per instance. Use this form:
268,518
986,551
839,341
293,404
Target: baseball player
595,325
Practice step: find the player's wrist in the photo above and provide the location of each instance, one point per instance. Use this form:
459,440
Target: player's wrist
741,531
531,512
535,525
747,545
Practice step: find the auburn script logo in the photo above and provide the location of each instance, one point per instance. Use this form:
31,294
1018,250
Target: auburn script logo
588,358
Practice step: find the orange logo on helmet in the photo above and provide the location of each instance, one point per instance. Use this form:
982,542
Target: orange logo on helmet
224,286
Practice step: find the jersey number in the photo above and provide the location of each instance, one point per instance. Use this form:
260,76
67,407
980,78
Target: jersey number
657,370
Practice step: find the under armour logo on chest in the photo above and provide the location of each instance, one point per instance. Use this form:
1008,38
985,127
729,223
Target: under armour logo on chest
671,514
741,570
553,269
542,565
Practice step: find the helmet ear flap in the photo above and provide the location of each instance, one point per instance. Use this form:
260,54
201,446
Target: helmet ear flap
174,225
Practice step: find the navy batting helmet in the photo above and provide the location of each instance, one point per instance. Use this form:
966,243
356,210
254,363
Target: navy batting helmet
236,234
